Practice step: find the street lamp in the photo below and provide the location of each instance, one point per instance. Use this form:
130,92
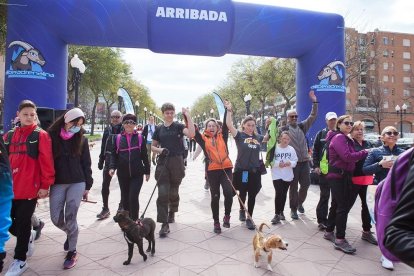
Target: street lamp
78,69
401,110
145,115
247,100
212,112
204,116
137,109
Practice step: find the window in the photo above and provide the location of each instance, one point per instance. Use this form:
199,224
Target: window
392,79
406,93
385,104
362,41
372,78
372,53
406,79
406,42
362,79
372,67
385,40
406,67
385,91
392,66
385,53
363,67
385,65
362,92
385,78
393,91
406,55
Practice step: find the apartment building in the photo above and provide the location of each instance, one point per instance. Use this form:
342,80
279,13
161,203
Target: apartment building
380,78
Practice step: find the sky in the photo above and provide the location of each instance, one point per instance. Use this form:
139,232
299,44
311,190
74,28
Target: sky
182,79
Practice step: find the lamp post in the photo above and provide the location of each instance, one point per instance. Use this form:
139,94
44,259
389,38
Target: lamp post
401,110
78,69
145,115
137,109
204,116
247,101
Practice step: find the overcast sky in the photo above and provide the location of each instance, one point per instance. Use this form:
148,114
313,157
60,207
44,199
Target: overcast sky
182,79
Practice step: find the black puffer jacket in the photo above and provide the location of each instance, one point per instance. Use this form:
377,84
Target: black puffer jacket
71,169
107,143
129,159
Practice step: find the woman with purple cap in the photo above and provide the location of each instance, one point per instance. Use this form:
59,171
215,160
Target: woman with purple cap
73,178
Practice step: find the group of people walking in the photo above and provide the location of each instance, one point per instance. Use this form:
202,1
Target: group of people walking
59,163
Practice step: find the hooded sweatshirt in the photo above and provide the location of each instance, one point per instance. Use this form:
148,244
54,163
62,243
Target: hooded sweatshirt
342,153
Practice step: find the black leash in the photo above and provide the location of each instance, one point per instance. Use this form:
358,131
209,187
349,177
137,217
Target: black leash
155,187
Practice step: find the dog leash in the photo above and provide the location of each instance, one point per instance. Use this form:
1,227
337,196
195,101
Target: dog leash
155,187
238,196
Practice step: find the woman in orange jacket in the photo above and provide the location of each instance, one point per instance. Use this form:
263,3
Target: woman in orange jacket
213,141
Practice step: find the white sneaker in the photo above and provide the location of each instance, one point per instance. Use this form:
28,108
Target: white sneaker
16,268
30,248
386,263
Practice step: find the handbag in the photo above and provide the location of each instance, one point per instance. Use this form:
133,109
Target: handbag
262,167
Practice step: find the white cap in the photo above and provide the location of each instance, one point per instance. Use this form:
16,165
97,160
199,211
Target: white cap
330,116
73,114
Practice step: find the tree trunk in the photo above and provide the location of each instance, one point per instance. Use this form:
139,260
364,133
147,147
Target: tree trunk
94,114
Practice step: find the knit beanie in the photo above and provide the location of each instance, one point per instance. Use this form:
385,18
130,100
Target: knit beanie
73,114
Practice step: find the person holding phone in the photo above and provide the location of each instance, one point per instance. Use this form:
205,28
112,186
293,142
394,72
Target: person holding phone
247,178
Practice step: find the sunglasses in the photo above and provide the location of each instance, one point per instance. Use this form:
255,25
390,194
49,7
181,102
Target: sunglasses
348,123
115,117
389,133
129,122
293,116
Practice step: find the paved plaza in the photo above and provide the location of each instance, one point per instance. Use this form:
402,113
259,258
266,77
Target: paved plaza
192,248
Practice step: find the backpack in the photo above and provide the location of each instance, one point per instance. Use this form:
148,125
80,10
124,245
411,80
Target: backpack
32,143
324,163
388,194
118,140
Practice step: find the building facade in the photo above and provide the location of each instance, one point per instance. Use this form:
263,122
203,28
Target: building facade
380,79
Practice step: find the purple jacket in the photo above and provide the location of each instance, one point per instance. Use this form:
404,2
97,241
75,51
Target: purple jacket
342,153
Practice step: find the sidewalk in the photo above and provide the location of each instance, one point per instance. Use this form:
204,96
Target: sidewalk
192,248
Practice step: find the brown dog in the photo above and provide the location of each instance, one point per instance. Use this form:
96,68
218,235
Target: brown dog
266,244
134,232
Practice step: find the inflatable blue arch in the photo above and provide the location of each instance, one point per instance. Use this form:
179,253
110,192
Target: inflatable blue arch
39,33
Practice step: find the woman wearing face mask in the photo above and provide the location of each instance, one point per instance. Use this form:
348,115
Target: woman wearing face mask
379,162
219,166
129,157
73,178
342,160
246,177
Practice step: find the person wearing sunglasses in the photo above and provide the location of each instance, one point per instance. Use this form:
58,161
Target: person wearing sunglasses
130,160
297,133
379,162
104,160
342,159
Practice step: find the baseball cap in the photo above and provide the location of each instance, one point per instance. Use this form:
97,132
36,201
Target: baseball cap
331,115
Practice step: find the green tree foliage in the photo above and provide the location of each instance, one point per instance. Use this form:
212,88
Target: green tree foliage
104,73
267,80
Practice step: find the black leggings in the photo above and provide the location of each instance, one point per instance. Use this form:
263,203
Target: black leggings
253,186
281,189
361,190
130,189
105,187
216,178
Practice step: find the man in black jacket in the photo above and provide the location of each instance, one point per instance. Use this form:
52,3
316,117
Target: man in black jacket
318,145
148,131
104,159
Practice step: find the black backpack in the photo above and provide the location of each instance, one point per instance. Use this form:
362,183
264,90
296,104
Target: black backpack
32,143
